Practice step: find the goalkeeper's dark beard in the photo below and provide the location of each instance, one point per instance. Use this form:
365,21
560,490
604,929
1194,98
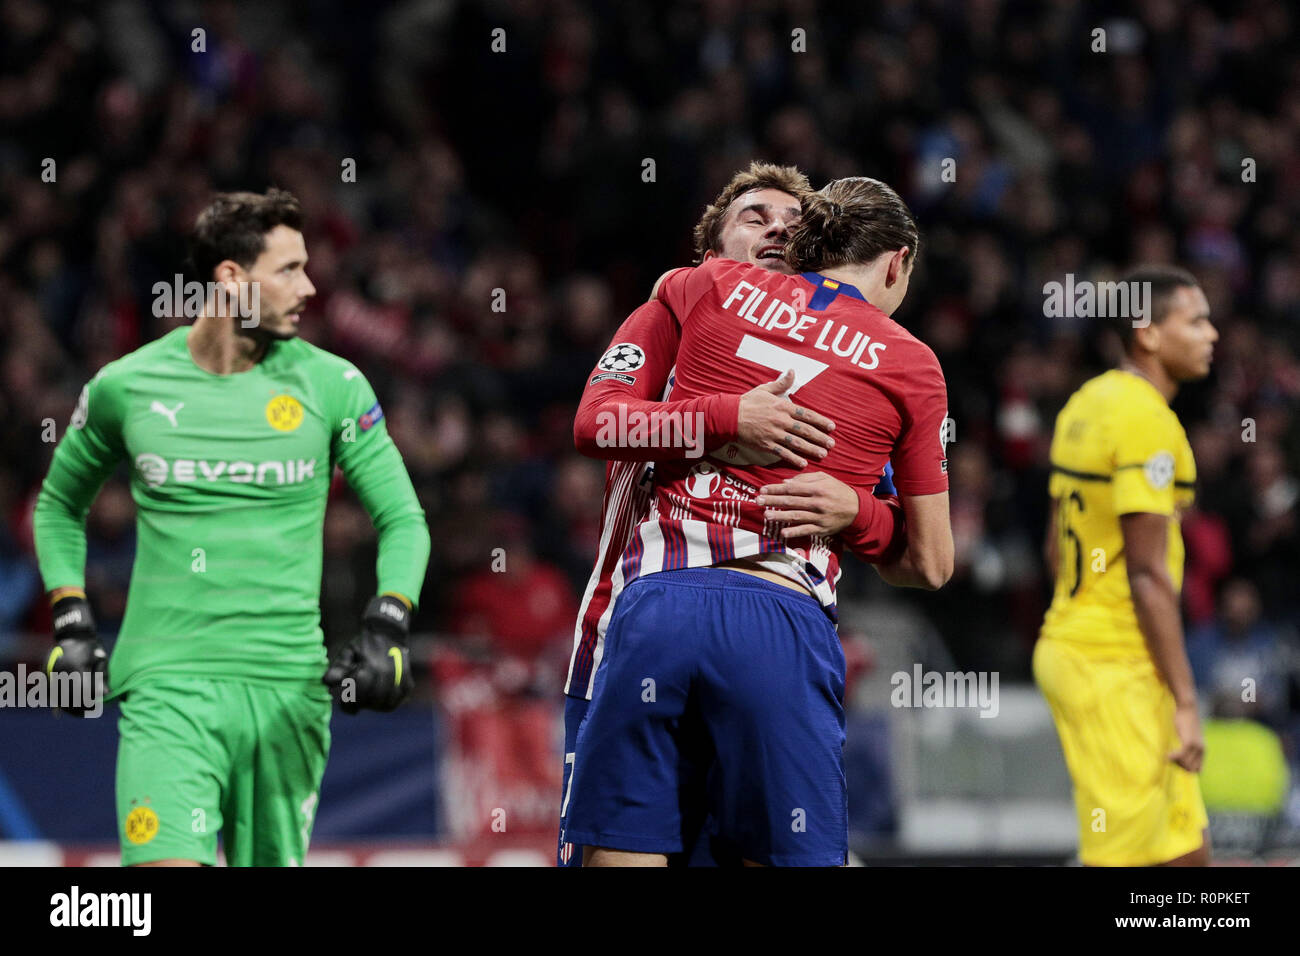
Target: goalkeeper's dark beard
262,336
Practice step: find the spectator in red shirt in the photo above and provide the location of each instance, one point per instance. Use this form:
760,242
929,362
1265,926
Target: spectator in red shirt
523,606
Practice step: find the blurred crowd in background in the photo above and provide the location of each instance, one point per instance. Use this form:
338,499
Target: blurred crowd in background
524,170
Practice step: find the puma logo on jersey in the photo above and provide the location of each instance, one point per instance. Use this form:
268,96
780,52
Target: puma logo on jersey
168,413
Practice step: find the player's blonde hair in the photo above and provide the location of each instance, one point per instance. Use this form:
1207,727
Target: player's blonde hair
788,179
849,221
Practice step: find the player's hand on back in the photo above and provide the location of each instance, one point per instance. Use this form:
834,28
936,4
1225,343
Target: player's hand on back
810,503
373,672
77,649
773,423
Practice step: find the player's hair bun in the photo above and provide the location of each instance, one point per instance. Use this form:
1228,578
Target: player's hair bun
820,232
850,221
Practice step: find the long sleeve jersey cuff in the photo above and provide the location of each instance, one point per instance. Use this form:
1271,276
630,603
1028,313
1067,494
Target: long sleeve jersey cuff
878,535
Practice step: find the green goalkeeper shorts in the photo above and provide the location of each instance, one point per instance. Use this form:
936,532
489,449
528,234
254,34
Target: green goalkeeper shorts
197,757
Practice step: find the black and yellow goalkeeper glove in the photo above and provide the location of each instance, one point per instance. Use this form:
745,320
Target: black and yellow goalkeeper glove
374,670
76,647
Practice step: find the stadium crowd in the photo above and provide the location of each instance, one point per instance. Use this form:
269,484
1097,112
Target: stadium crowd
567,169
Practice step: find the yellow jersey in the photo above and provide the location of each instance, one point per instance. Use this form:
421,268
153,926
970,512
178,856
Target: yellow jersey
1118,448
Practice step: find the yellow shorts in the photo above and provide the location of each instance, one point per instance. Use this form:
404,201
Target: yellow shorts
1115,717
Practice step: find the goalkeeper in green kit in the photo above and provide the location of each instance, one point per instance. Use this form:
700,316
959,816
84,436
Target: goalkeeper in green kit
231,428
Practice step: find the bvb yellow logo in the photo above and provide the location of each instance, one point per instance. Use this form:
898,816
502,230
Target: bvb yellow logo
284,412
141,825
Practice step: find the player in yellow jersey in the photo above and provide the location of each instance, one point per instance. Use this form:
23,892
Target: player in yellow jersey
1110,658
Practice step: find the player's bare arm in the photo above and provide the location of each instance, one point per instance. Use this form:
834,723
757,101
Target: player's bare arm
1051,547
927,560
1156,604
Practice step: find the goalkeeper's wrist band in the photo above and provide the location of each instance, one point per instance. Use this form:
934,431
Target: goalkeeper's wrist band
389,614
72,617
66,593
410,606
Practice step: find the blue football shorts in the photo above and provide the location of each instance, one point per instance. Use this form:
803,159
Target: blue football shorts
721,688
702,850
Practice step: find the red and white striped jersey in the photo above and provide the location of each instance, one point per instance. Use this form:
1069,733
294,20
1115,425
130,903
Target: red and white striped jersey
626,504
742,326
639,371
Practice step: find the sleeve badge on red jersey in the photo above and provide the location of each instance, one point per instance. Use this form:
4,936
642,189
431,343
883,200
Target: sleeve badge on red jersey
623,357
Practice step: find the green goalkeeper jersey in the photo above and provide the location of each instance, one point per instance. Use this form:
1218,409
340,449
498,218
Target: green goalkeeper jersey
230,474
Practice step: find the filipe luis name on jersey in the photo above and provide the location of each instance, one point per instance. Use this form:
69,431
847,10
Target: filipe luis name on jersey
831,336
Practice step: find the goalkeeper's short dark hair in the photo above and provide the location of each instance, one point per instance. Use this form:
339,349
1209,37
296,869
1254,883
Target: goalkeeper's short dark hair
234,226
1165,281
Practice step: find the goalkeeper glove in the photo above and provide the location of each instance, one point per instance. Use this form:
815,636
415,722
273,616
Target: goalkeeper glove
374,670
76,647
